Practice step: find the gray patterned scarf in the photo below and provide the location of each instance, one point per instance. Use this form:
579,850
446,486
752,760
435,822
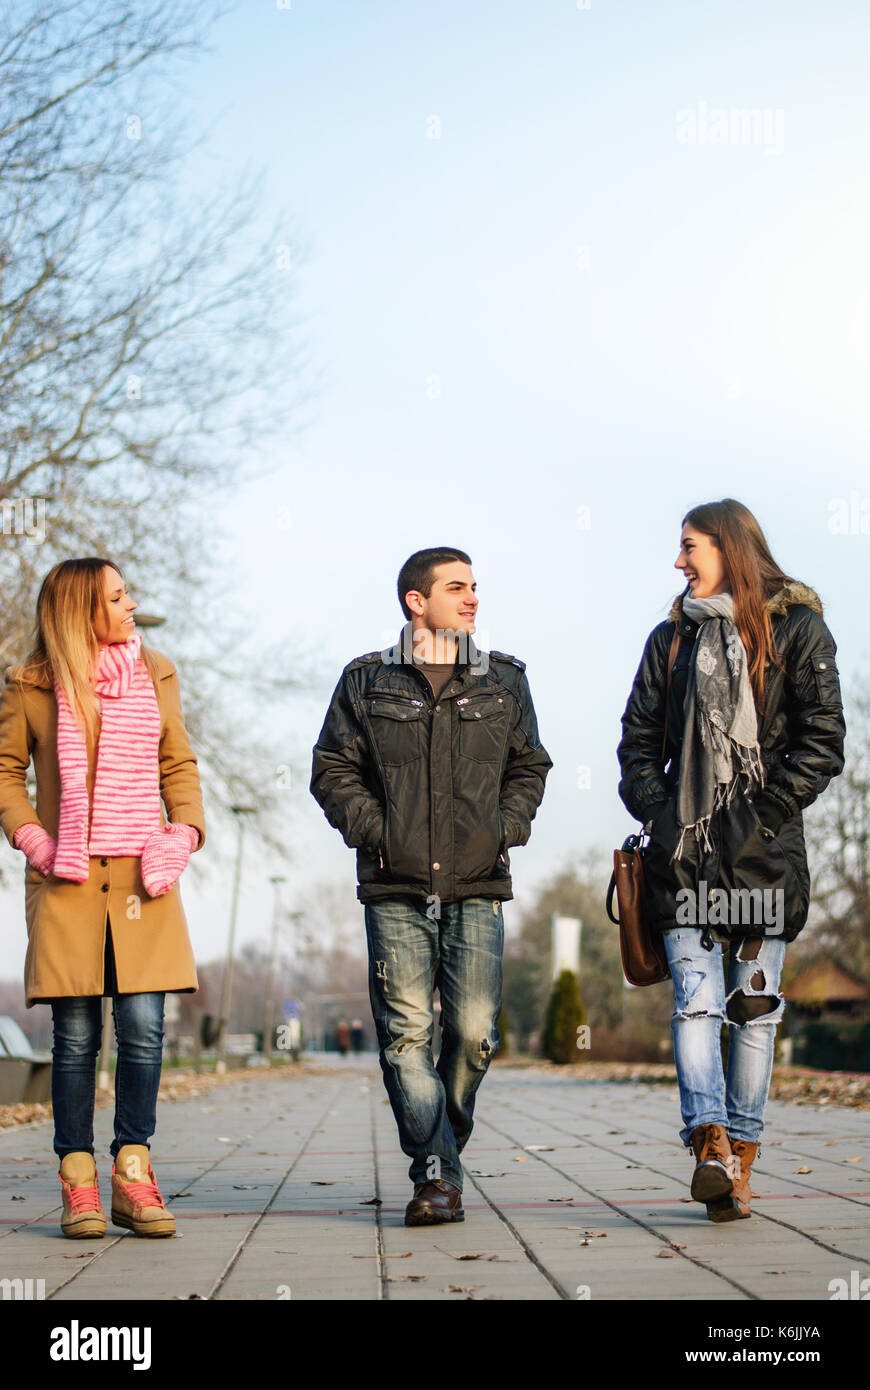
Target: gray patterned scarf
720,734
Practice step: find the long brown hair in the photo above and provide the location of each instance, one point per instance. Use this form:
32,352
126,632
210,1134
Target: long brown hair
753,577
65,647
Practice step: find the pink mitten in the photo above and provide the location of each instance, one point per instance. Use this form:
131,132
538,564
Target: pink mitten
38,846
164,856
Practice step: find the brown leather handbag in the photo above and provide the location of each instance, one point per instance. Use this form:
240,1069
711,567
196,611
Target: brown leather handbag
644,961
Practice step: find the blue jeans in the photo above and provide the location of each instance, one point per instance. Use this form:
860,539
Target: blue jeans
750,1003
78,1027
459,949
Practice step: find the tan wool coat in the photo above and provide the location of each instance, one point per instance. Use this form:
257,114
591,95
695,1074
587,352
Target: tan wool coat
66,921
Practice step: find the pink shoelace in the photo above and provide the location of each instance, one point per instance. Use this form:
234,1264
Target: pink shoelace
144,1191
86,1198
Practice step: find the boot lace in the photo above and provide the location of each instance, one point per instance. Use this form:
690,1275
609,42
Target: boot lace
145,1192
83,1198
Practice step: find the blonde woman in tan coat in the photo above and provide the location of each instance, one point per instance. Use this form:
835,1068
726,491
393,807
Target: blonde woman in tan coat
100,718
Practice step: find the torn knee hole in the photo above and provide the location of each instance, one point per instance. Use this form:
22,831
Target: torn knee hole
743,1008
749,948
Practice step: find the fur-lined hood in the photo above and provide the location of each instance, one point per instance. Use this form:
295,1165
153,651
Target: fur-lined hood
791,593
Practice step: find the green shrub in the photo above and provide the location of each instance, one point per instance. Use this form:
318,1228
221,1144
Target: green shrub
565,1014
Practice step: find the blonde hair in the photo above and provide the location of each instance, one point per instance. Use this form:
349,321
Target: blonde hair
65,647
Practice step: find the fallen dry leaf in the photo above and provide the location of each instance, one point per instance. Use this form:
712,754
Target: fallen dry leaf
459,1288
803,1170
665,1255
322,1182
371,1202
521,1159
854,1160
539,1148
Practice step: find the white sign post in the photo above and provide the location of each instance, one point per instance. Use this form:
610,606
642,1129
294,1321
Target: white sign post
566,945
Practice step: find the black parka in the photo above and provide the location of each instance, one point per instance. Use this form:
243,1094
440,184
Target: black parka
758,841
431,793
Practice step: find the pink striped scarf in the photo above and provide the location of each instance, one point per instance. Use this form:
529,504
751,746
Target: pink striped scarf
126,804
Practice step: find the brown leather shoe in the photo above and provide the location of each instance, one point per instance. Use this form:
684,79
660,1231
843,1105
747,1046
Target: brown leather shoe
434,1203
714,1167
735,1207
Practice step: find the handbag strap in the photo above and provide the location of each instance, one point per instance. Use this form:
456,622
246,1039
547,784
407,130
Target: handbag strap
672,656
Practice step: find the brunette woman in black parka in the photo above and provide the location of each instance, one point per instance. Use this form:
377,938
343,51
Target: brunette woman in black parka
755,733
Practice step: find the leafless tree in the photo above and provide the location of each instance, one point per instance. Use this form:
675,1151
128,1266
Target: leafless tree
149,349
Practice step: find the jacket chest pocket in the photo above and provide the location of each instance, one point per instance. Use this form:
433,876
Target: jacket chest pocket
483,726
397,729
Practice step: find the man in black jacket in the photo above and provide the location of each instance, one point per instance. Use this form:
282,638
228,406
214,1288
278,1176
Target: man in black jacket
430,765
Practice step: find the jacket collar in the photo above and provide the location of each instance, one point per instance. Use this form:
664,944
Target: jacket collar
471,663
790,594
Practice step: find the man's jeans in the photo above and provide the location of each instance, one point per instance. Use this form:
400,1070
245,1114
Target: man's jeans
78,1025
703,1000
410,952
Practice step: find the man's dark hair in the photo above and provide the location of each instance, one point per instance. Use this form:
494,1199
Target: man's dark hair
416,572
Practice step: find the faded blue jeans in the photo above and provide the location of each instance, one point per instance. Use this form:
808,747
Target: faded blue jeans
78,1027
750,1003
410,952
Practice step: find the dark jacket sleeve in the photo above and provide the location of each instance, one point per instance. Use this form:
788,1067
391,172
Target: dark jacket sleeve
338,773
522,785
815,716
642,784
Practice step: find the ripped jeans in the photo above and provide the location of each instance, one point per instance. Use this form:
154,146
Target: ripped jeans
750,1003
460,951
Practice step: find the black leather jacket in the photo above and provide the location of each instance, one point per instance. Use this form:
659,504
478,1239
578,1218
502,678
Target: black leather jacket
758,842
431,794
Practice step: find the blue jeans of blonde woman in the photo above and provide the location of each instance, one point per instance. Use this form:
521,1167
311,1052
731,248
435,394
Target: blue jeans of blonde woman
78,1026
704,999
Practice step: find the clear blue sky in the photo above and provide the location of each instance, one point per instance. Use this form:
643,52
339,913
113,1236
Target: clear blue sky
618,321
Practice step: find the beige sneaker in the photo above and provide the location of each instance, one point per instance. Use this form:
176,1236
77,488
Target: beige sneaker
136,1200
83,1217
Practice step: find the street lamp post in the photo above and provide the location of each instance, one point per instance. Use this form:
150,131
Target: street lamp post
276,880
226,992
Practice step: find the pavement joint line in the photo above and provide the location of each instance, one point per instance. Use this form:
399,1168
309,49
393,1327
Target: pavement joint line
383,1283
524,1246
255,1226
777,1221
812,1192
113,1241
614,1206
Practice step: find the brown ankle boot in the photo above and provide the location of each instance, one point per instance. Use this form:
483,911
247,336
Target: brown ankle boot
714,1166
83,1217
136,1200
736,1206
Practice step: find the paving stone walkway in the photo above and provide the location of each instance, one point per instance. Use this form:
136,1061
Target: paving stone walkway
293,1186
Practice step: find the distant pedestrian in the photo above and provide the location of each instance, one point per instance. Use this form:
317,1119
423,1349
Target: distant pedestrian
342,1036
357,1035
430,765
754,735
100,717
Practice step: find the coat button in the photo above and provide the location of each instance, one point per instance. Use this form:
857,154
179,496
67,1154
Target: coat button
436,866
104,863
823,665
105,887
477,714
